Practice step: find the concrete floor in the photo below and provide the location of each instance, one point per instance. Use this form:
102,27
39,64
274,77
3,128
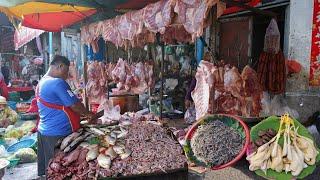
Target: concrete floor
22,172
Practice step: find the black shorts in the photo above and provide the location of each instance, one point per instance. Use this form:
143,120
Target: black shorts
46,151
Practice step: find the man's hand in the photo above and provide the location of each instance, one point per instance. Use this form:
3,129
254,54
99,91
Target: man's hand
89,117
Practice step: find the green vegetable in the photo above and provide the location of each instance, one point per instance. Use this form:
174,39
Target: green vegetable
26,155
273,122
94,140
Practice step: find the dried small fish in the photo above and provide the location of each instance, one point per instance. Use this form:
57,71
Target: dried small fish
126,123
76,142
111,153
127,153
110,140
215,143
104,161
119,149
67,140
122,134
97,131
113,134
93,152
84,145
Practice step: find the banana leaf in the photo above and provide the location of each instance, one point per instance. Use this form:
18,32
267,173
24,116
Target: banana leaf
274,123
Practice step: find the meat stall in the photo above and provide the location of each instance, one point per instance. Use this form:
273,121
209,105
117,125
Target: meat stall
137,146
137,29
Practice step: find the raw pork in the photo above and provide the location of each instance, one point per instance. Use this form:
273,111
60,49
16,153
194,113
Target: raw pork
222,89
202,94
253,89
96,82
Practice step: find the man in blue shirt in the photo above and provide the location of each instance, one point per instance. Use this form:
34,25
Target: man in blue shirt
54,98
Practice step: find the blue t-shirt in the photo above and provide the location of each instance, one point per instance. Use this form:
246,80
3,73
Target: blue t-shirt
55,122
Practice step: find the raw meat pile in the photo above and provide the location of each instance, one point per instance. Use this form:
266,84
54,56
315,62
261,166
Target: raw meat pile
222,89
137,28
132,79
96,81
135,146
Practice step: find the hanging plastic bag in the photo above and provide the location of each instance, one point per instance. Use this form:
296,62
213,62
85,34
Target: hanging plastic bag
272,38
279,106
266,105
190,115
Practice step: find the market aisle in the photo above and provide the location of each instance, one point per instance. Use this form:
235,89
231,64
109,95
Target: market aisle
22,172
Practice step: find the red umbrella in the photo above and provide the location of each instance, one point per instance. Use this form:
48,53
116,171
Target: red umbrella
55,21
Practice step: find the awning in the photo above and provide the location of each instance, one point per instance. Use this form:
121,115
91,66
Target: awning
25,35
46,16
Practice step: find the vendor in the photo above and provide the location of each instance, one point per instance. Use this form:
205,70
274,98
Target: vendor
3,87
7,115
59,110
188,98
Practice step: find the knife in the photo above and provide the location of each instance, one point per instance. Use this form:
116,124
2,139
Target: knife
98,115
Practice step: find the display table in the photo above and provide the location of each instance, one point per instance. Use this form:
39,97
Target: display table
20,89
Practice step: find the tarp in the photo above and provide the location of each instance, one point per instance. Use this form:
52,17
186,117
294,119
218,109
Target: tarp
30,11
55,21
46,16
24,35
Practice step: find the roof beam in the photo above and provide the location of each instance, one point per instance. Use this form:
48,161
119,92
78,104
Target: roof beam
252,9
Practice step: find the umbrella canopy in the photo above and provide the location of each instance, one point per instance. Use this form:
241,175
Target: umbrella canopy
53,15
55,21
46,16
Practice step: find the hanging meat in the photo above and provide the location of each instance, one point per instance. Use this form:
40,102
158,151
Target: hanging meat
272,66
222,89
252,91
96,82
167,17
132,79
203,93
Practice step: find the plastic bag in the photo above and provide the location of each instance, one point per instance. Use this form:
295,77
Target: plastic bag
185,62
190,115
266,105
111,113
26,155
279,107
272,38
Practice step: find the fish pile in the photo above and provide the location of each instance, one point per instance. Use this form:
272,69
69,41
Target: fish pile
214,143
89,148
297,152
135,146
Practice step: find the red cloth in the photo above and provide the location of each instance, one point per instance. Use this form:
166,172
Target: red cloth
293,66
74,118
34,109
4,89
33,106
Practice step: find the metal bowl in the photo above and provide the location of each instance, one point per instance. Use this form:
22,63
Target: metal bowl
3,164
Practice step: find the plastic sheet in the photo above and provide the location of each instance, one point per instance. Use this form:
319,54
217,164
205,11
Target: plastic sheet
272,38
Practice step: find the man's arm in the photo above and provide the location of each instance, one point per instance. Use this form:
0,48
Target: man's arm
79,108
